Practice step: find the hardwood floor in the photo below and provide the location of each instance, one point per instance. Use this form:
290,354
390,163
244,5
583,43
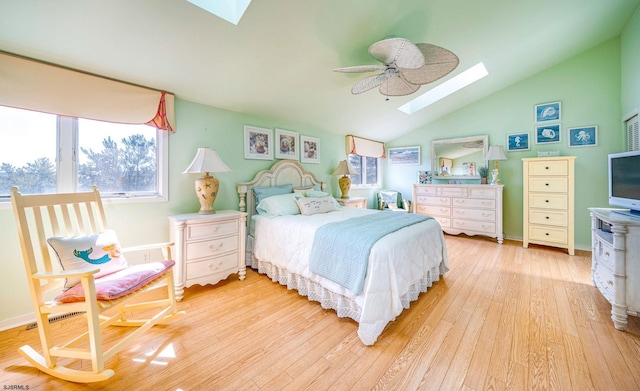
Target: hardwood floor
503,317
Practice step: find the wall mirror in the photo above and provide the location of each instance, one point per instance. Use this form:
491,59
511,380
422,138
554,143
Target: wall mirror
460,156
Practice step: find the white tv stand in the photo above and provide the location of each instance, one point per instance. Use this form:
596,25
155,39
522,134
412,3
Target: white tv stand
615,266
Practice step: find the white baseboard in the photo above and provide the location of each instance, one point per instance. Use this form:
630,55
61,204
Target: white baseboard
18,321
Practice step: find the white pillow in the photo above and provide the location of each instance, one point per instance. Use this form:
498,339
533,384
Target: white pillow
316,194
99,250
279,205
315,205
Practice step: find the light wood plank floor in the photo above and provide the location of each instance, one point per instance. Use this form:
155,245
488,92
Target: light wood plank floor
503,317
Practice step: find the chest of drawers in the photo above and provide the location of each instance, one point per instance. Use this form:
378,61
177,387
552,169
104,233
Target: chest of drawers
615,245
208,248
468,209
548,197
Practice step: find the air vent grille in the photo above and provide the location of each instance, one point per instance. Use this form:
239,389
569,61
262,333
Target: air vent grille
633,134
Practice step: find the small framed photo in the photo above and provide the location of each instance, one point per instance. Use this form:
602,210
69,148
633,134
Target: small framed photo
547,112
424,177
310,152
469,168
518,142
258,143
287,145
584,136
404,156
547,134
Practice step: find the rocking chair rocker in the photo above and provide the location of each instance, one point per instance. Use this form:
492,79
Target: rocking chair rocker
54,224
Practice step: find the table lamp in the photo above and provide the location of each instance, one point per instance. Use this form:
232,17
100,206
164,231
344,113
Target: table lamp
344,169
496,153
206,161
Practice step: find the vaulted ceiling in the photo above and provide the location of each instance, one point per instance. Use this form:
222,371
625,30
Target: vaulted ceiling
278,61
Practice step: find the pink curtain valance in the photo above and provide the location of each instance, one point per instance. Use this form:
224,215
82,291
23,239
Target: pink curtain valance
33,85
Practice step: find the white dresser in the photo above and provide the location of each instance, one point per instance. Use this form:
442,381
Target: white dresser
615,266
548,202
468,209
208,248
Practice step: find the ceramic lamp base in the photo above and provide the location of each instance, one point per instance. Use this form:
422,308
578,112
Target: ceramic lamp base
207,190
345,185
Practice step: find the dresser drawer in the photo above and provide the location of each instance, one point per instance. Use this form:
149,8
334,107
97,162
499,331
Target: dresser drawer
474,203
455,191
482,192
548,234
212,266
444,222
559,167
420,190
478,226
204,231
474,214
603,278
548,217
446,201
551,185
548,201
604,254
210,248
434,210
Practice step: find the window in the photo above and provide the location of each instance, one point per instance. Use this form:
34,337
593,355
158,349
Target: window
45,153
367,168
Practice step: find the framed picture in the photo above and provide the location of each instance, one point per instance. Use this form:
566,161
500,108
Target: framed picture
425,177
405,156
547,134
584,136
287,145
547,112
258,143
310,152
518,142
469,168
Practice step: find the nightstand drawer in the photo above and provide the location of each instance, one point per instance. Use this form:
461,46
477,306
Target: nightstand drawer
548,201
474,203
212,266
604,254
548,234
474,214
204,231
210,248
550,185
603,279
548,217
558,167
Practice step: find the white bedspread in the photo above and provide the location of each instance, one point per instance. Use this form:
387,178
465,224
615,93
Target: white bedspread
402,264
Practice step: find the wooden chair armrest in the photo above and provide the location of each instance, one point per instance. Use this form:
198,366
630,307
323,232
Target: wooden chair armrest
66,274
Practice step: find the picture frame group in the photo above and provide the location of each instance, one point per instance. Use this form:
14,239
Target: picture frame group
261,143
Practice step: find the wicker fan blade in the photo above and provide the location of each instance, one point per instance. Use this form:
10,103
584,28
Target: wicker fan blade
368,83
398,51
361,68
397,86
439,62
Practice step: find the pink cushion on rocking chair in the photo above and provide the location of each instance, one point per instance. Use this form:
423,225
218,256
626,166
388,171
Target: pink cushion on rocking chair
121,283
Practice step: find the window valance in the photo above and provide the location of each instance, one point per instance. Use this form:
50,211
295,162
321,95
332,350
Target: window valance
33,85
364,147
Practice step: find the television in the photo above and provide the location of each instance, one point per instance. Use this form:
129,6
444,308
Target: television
624,182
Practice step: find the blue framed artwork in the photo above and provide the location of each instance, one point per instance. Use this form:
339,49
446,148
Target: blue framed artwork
584,136
518,142
404,155
547,134
546,112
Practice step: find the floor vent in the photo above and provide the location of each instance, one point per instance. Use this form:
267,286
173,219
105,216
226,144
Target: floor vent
55,319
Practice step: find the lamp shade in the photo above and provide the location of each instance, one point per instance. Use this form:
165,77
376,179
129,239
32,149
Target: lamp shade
496,152
344,168
206,160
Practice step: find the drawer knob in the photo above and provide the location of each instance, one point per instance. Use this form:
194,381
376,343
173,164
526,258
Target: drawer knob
547,201
546,233
546,168
610,282
547,217
606,253
546,184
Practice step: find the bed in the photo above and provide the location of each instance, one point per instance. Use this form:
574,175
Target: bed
401,264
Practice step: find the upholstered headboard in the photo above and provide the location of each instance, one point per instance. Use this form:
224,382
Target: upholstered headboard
283,172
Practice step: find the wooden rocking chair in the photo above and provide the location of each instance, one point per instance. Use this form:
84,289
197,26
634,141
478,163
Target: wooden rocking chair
100,291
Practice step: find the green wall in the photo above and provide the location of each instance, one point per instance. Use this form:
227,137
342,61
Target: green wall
588,85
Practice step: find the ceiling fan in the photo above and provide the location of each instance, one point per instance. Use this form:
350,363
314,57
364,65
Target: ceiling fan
405,67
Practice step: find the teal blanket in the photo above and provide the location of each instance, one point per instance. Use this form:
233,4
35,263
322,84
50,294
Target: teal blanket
340,250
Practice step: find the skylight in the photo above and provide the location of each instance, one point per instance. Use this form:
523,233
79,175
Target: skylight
445,89
229,10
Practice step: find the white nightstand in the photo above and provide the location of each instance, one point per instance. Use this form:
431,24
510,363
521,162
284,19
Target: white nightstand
353,202
208,248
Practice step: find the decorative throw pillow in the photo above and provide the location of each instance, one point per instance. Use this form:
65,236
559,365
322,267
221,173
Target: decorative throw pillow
78,252
280,205
262,192
314,205
316,194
